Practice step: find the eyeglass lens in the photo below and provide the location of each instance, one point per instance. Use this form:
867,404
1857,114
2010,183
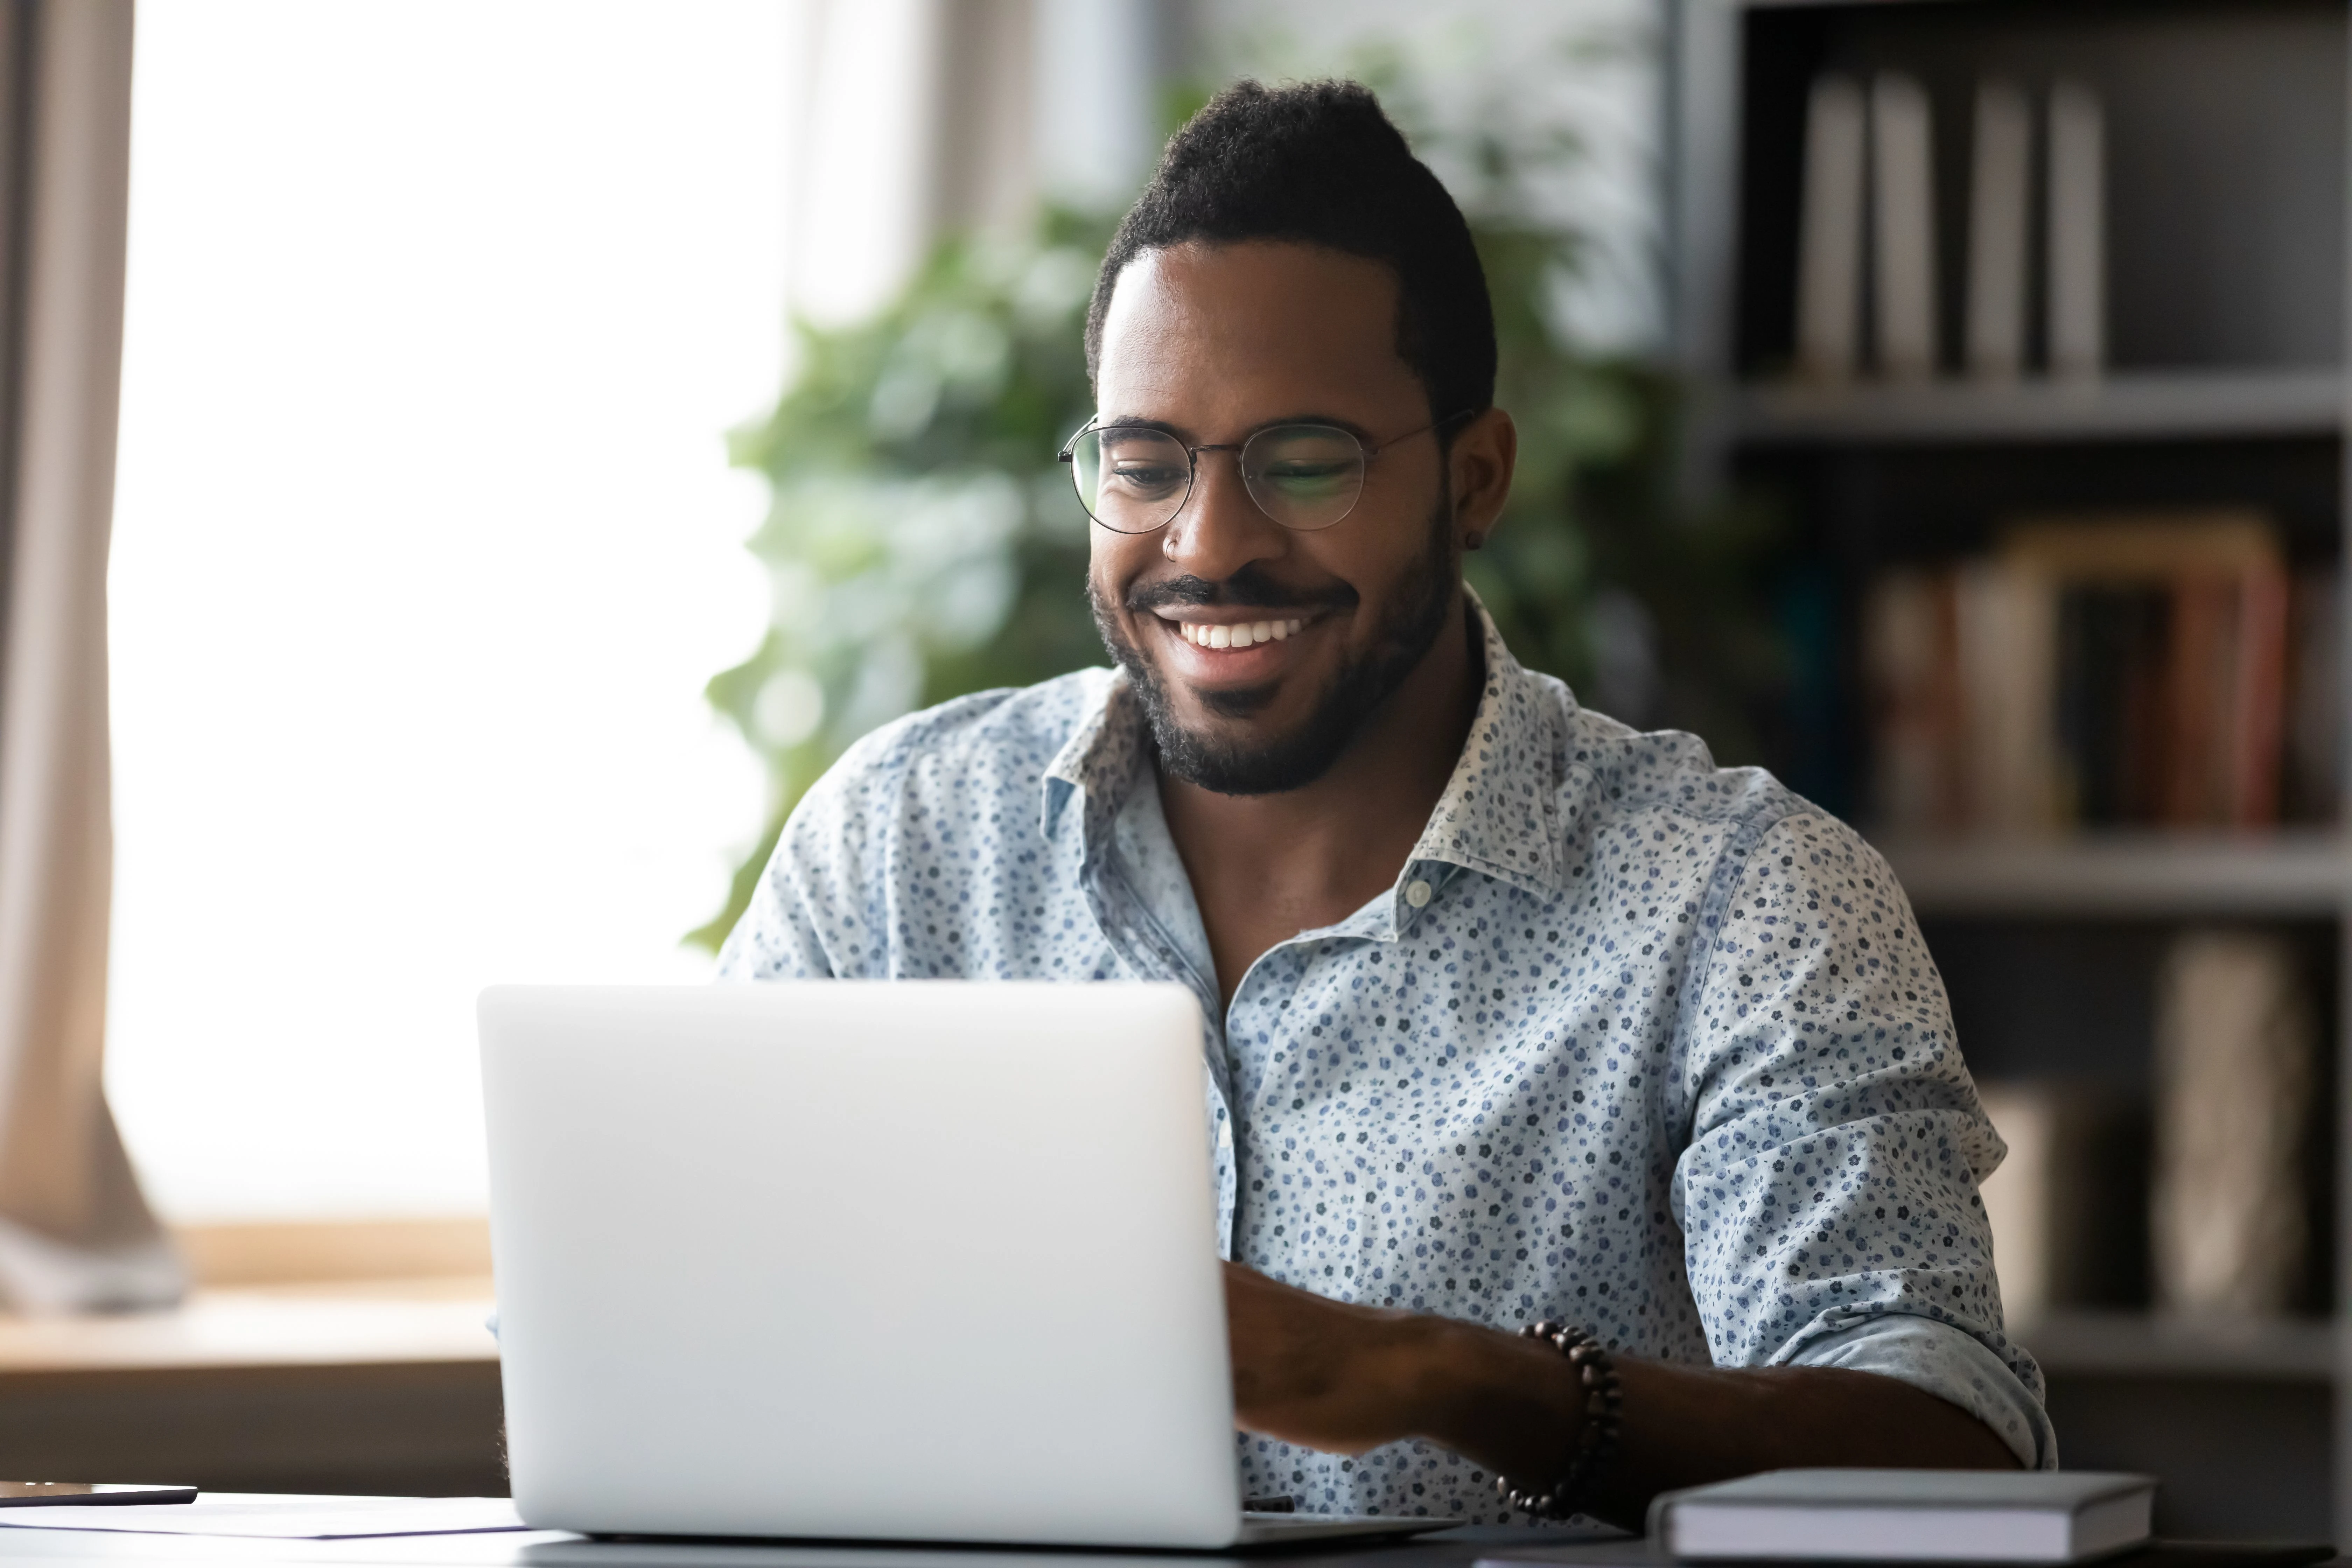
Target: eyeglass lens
1133,480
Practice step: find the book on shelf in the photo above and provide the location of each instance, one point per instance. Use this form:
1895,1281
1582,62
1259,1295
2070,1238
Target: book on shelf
1998,199
2314,770
2075,229
1903,226
2103,672
1867,285
1830,241
2236,1068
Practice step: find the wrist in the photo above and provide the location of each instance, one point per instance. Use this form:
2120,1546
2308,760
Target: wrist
1506,1401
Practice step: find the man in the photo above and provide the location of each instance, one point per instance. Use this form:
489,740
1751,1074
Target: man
1515,1014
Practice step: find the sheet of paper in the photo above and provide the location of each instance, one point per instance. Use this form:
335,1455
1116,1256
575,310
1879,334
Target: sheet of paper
292,1518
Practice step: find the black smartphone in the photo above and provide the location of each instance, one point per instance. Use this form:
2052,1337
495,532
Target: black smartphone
34,1494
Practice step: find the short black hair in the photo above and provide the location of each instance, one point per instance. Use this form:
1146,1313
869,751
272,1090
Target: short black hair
1318,164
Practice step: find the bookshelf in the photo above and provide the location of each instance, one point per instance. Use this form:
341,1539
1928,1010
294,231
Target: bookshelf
2225,221
2135,1344
2284,875
2126,406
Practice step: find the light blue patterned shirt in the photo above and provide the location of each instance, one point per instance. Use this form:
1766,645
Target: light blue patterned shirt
1634,1042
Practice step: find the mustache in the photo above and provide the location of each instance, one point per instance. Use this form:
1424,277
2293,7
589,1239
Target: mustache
1249,588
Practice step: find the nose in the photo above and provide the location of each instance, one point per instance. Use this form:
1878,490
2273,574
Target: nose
1221,529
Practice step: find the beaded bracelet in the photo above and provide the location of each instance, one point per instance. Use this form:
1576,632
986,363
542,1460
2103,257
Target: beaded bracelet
1596,1444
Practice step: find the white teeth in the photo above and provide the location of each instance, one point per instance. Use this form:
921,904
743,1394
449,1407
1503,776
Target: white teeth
1246,635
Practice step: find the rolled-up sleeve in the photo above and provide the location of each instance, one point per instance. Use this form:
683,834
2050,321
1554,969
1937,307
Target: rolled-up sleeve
1828,1192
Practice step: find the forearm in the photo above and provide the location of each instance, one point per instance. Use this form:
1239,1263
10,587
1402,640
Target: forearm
1514,1407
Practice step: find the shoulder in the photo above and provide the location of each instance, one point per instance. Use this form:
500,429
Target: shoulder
1736,820
1626,772
988,743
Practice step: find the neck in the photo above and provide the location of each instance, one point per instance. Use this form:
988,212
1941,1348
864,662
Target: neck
1265,867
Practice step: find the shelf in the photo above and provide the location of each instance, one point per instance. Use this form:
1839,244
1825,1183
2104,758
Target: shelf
2142,1345
2126,406
2278,874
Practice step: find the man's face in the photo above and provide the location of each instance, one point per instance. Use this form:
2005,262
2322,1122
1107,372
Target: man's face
1212,343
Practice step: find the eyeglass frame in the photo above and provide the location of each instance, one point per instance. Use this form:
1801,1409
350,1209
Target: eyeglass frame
1372,450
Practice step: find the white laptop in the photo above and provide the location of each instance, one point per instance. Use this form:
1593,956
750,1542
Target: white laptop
919,1261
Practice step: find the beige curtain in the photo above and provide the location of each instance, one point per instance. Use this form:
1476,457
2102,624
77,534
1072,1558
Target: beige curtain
75,1232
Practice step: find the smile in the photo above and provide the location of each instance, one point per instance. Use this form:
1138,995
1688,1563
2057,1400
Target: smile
1240,633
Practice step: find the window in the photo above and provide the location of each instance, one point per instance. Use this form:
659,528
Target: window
425,545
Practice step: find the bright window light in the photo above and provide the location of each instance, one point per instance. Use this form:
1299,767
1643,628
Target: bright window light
425,545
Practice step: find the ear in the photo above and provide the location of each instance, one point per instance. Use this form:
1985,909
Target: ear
1479,465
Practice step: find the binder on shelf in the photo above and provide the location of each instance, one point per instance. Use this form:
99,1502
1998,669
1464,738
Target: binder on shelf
2076,229
1829,262
1903,225
1998,203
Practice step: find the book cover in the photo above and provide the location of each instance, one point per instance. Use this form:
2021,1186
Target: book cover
2005,638
1997,202
1910,659
2076,226
2258,710
1903,226
1830,228
2313,783
1920,1516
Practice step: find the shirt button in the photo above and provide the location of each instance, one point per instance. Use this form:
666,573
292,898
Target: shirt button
1417,894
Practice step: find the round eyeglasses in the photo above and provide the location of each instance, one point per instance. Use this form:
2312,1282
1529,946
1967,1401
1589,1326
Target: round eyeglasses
1135,479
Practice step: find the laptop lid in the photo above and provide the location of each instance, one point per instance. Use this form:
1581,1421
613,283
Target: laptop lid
922,1260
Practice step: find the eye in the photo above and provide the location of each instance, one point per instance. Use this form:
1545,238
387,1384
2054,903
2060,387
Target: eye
1306,463
1146,477
1306,478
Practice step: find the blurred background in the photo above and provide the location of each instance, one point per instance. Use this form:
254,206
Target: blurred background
549,434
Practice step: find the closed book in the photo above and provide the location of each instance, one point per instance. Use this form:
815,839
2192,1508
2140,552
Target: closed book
2006,619
2076,227
1998,227
2313,772
2256,742
1829,260
1903,225
1907,1516
1909,656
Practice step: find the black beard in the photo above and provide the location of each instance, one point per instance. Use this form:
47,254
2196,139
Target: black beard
1355,693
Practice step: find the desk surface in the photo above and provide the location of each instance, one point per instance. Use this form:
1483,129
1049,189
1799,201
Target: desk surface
550,1549
1459,1548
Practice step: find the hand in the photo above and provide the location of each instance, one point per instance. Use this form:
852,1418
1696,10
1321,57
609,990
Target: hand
1345,1379
1321,1373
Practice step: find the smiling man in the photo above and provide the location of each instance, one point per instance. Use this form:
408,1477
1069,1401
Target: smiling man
1519,1019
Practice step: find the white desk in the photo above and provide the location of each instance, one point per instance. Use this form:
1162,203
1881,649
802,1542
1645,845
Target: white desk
1452,1549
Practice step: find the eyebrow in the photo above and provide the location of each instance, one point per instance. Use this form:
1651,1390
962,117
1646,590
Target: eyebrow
1142,422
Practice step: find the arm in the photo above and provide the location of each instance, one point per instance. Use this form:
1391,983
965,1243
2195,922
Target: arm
1345,1379
1830,1144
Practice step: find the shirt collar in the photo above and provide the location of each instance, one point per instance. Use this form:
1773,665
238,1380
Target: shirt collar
1499,814
1096,766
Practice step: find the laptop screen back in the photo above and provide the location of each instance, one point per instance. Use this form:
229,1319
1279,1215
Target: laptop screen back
931,1260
